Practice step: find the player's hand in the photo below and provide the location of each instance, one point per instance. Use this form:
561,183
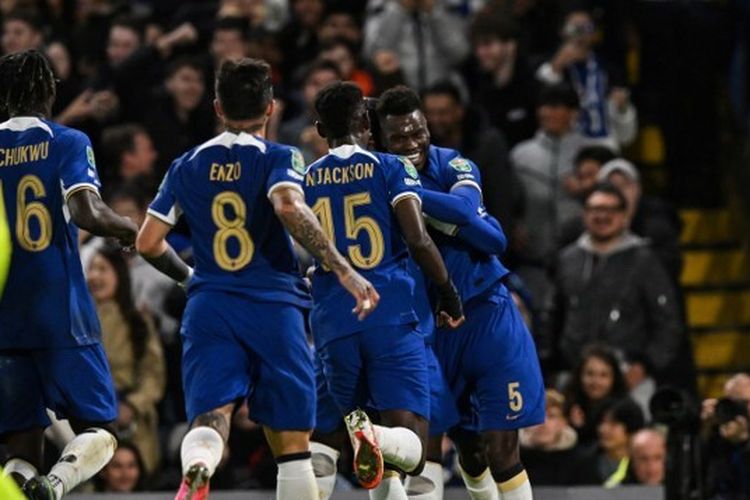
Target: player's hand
129,233
450,311
363,292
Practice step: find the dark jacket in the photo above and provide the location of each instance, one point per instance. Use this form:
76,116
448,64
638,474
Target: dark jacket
624,299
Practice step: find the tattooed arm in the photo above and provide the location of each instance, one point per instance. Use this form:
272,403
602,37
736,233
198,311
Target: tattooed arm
298,219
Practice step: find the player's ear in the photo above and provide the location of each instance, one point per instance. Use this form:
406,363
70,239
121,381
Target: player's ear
270,108
320,128
218,109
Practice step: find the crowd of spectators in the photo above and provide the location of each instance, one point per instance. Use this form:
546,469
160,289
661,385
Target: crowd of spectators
546,96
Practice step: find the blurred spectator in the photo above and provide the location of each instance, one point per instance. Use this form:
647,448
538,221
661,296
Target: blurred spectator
542,164
642,386
506,89
179,116
341,22
129,154
268,15
648,457
229,41
454,125
588,162
608,463
133,351
649,217
548,451
420,37
596,383
579,184
299,38
610,287
68,82
124,473
150,288
300,131
606,110
728,445
340,52
21,31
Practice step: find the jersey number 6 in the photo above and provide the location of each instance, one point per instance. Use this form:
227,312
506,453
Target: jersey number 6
32,210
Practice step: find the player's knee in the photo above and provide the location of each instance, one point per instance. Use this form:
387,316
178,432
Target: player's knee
502,452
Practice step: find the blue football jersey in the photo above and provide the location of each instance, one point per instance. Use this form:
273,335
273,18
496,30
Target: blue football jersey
472,271
422,304
352,192
239,244
46,303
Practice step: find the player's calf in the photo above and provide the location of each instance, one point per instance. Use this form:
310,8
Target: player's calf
507,470
201,452
83,457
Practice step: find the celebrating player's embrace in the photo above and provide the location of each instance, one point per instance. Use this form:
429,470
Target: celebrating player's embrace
386,312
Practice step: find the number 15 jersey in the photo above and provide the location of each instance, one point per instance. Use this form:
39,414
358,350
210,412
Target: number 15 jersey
352,192
221,187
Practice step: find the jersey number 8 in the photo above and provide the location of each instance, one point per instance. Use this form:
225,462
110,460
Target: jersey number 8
231,228
34,209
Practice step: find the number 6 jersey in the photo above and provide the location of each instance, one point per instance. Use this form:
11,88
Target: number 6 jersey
46,304
221,188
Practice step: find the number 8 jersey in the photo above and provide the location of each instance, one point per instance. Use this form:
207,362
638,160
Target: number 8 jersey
46,303
352,192
221,188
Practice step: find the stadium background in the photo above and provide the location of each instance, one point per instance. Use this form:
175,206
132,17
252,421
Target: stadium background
136,77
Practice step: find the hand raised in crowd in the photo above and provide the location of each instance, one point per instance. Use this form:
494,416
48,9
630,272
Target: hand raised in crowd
89,105
571,52
184,34
620,96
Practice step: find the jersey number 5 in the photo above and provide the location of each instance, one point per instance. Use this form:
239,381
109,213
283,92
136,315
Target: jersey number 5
353,226
233,227
515,400
32,210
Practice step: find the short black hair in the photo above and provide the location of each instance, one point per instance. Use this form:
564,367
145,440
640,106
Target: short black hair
26,16
132,23
599,154
319,65
444,88
182,62
559,94
118,140
233,23
628,413
244,88
336,41
492,24
399,100
610,189
336,105
131,190
27,84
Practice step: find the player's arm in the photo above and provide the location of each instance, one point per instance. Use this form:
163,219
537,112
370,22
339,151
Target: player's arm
485,234
89,212
459,206
289,204
152,245
426,255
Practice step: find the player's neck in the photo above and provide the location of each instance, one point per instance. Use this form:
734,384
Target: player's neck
253,127
347,140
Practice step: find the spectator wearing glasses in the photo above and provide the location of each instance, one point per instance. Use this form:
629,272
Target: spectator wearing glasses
611,288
